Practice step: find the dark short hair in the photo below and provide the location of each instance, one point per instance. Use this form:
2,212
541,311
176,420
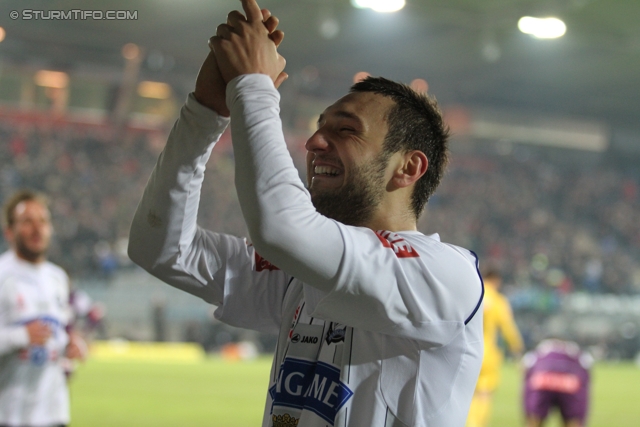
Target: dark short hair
415,123
9,208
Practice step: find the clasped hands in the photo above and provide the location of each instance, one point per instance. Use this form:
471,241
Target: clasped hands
39,333
246,44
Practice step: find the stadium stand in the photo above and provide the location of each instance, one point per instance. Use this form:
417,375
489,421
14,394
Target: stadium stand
547,224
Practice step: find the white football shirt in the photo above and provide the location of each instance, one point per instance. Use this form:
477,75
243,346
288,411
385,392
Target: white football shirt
375,328
33,387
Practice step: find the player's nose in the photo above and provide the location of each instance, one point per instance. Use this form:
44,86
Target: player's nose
317,143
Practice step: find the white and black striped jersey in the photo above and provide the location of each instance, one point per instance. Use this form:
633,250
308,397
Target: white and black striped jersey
375,329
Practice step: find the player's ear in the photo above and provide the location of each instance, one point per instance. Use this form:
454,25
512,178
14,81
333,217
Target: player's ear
412,167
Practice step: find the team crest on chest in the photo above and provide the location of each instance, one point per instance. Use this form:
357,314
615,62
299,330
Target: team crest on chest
336,333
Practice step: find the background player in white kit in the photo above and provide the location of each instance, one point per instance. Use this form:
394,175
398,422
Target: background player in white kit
34,314
378,324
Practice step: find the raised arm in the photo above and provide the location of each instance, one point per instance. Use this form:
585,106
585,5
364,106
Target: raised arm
283,224
165,238
164,228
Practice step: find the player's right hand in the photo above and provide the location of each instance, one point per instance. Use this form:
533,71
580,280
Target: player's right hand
210,86
244,45
39,332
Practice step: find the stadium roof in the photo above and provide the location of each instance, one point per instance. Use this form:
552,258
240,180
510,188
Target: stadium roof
469,51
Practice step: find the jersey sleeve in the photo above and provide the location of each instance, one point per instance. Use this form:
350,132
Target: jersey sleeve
167,242
12,337
282,222
252,288
349,273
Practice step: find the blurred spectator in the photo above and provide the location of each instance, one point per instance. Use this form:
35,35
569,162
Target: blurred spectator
552,226
94,181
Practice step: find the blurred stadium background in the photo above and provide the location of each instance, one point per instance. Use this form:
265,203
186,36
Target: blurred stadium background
544,181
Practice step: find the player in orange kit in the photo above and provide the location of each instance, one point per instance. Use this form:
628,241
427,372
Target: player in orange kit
498,319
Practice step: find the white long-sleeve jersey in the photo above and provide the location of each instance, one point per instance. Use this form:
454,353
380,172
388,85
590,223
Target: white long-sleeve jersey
33,387
375,329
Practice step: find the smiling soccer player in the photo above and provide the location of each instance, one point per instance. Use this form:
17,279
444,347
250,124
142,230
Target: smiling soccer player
378,325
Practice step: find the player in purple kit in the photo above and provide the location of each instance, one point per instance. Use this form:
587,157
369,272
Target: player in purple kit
556,376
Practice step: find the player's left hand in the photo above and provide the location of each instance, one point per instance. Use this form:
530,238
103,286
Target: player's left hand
244,46
210,86
77,347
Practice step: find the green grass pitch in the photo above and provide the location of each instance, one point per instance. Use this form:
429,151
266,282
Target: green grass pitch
232,394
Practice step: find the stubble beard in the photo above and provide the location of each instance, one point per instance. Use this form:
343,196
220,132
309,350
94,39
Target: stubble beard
29,254
356,201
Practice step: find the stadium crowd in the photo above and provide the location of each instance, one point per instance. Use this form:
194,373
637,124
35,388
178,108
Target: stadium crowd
92,178
544,224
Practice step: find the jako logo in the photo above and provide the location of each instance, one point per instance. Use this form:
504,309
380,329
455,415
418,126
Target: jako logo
296,338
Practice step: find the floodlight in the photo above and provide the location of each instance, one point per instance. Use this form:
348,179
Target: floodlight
130,51
542,28
383,6
54,79
156,90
